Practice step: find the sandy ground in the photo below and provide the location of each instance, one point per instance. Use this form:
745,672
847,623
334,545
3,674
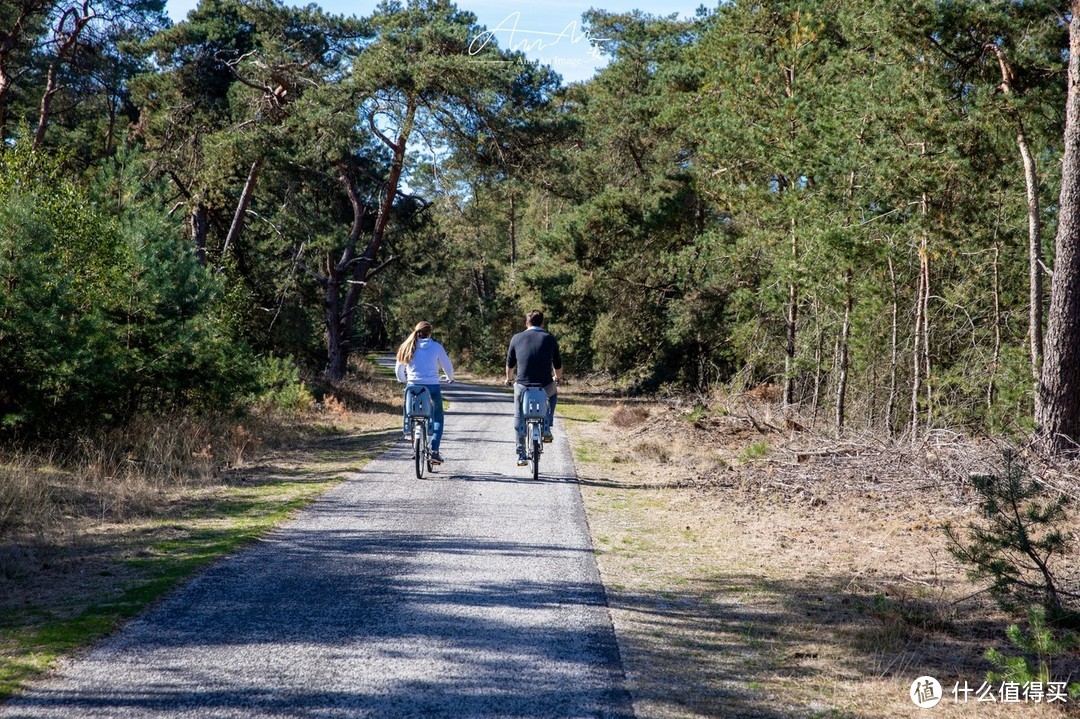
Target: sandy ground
759,571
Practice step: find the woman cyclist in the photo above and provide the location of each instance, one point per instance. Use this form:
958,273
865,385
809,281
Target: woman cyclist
418,361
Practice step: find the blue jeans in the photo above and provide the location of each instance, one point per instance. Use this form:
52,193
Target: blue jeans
435,424
519,416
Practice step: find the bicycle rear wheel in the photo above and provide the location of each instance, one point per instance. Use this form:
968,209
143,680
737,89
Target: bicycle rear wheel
420,449
537,447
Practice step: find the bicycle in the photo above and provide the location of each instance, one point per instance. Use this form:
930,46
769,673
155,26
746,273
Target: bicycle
534,407
418,409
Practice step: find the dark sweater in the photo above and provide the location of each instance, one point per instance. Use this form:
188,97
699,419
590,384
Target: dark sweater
533,352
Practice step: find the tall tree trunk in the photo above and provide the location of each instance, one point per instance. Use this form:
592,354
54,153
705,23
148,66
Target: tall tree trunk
480,283
51,88
337,326
513,232
845,330
110,132
991,388
893,353
1059,413
363,267
916,376
793,288
79,17
926,333
1031,184
199,228
1035,270
792,320
817,373
242,205
336,355
871,399
921,377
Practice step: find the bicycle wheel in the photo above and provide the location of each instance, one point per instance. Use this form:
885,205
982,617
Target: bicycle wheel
536,449
420,449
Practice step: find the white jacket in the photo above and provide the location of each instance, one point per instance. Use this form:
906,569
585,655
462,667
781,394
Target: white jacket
424,368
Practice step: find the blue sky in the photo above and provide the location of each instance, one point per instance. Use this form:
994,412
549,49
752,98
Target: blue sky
549,32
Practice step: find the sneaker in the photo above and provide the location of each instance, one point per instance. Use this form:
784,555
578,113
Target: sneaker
436,458
522,459
548,439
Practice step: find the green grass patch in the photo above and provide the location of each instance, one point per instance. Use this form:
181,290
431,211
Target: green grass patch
577,412
695,415
586,451
755,450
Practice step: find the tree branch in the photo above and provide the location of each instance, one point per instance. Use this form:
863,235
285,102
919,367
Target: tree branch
386,140
231,64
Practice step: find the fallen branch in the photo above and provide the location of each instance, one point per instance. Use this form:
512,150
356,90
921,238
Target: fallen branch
917,581
837,452
758,425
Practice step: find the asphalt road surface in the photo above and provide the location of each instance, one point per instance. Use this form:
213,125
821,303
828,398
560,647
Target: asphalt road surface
470,593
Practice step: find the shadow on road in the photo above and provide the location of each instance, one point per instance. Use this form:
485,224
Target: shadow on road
303,603
510,478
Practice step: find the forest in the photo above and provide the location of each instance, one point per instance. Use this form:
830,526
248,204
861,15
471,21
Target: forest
853,202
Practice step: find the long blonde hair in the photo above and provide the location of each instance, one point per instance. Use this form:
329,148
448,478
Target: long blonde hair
408,348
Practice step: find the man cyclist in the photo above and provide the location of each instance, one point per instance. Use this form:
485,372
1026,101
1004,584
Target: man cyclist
534,354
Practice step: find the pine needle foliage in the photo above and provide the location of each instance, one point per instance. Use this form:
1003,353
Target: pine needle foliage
1018,542
1042,642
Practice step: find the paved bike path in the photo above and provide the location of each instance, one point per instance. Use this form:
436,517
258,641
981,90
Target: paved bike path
472,593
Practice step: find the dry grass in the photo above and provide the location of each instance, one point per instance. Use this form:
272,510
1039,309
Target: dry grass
49,496
25,499
759,570
124,472
627,417
118,474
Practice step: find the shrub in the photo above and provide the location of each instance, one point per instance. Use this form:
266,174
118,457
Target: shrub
755,450
1019,541
698,413
101,318
626,417
1040,642
56,345
654,450
281,386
